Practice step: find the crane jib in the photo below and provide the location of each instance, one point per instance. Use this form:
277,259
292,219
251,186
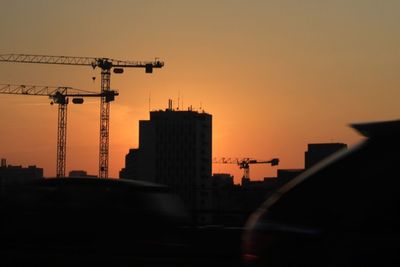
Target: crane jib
105,64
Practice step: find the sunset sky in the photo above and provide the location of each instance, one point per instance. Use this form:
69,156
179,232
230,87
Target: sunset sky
275,75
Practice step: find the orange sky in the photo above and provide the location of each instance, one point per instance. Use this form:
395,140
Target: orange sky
275,75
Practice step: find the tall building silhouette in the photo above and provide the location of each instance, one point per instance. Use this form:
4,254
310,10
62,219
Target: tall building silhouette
175,149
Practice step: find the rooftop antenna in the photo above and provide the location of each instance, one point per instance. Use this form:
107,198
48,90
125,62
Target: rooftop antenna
170,104
179,98
149,100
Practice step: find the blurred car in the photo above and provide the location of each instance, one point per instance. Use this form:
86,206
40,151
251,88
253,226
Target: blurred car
89,221
343,211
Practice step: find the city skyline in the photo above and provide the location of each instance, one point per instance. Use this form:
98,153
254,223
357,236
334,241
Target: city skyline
275,76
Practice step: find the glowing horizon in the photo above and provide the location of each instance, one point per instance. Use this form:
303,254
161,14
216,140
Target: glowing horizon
274,75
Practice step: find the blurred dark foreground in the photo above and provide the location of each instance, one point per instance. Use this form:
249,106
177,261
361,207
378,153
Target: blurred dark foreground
88,221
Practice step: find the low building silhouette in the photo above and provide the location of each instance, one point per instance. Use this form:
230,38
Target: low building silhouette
14,175
225,198
130,171
80,174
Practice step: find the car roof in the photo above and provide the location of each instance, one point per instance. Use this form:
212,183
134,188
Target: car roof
97,183
377,129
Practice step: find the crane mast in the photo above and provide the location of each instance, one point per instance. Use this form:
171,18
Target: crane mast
104,124
59,95
105,64
62,138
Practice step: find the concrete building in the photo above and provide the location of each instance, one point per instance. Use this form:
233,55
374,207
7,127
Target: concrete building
317,152
175,150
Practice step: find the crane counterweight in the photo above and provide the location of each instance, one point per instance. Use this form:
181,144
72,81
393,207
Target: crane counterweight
77,100
118,70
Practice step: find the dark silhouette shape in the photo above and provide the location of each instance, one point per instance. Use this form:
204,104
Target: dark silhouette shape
343,211
11,175
317,152
84,221
175,150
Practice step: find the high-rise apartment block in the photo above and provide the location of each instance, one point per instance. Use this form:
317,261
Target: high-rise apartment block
175,149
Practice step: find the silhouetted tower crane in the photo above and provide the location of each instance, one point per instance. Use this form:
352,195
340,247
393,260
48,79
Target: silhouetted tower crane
105,64
59,95
245,163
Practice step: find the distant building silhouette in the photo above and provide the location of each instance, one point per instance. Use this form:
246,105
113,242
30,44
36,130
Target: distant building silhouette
226,209
175,150
80,173
317,152
232,204
14,175
130,171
